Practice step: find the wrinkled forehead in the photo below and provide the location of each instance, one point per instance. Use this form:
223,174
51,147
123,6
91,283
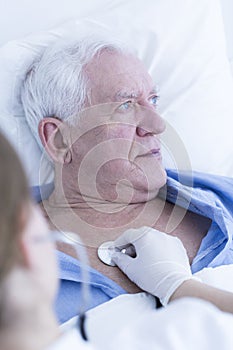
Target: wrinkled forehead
113,76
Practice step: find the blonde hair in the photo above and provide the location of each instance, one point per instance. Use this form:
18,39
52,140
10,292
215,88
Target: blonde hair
14,192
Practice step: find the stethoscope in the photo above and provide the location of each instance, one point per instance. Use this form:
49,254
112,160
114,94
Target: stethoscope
104,253
75,241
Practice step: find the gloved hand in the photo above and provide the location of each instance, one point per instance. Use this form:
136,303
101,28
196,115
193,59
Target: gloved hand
161,264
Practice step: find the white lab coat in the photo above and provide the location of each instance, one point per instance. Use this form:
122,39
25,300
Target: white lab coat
131,321
70,340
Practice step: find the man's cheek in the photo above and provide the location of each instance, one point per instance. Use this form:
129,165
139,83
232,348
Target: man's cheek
110,177
121,130
114,170
84,143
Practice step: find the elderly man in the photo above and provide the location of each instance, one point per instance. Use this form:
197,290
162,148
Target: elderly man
95,106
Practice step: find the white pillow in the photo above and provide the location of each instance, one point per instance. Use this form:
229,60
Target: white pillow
182,43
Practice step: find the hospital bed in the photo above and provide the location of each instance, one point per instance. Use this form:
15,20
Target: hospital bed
185,44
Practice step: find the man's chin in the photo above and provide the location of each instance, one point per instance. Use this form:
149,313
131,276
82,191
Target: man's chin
144,195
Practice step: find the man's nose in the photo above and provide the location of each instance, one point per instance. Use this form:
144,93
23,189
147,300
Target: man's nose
149,122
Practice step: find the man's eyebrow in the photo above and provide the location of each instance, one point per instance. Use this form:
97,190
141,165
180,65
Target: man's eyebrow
133,95
154,90
124,95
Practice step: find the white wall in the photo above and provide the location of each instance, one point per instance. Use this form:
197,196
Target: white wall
19,18
227,11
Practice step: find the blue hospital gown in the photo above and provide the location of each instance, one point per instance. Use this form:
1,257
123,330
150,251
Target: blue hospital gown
204,194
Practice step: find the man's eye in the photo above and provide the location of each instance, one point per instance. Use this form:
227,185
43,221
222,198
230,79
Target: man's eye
125,106
154,100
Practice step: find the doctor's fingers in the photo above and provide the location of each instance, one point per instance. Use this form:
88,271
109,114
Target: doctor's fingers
122,260
131,236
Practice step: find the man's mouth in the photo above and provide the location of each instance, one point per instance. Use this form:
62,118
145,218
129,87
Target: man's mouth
155,152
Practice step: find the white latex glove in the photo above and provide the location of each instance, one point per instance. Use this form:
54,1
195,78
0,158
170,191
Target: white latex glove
161,264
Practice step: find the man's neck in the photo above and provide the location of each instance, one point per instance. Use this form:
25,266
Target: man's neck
100,220
70,191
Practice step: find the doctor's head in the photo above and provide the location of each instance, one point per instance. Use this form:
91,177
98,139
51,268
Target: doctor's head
27,261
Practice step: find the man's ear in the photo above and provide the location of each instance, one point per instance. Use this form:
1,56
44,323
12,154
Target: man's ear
52,138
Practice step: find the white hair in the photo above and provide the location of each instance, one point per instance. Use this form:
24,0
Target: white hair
56,84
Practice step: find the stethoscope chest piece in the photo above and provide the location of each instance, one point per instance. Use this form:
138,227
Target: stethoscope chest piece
105,252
